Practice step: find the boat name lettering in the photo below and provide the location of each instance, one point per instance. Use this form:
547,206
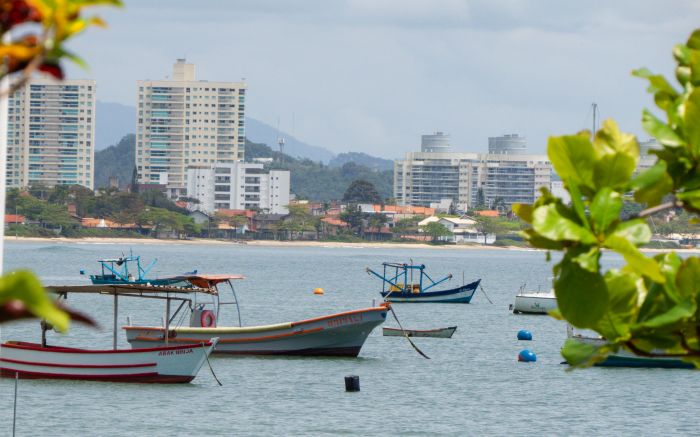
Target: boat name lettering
345,320
175,352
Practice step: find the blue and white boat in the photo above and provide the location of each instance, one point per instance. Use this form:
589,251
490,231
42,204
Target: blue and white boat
127,269
625,358
399,285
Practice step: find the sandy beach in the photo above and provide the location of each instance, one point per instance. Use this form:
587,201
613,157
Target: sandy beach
264,243
277,243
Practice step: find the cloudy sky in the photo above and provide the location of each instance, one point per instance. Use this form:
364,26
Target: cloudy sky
373,75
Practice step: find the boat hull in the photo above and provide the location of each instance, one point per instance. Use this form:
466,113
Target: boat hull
173,364
435,333
625,358
341,334
461,294
535,303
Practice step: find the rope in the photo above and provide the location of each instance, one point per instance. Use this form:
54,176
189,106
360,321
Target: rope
487,296
406,335
206,355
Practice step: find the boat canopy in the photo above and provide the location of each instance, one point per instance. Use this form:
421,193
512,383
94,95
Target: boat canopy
128,289
208,281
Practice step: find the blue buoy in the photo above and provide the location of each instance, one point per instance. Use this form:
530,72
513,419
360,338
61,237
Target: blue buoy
524,335
527,356
82,271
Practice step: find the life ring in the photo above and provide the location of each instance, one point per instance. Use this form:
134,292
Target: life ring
208,319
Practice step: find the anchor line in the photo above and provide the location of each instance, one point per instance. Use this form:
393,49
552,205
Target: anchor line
484,291
210,367
406,335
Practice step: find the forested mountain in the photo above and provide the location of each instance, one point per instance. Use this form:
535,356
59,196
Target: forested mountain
116,160
317,181
362,159
310,180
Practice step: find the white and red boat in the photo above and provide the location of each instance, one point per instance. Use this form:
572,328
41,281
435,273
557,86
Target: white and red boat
155,365
340,334
162,364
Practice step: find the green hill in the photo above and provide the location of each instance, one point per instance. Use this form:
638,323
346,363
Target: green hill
309,180
319,182
117,161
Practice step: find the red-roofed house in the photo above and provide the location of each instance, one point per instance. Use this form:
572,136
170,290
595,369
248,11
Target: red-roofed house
15,219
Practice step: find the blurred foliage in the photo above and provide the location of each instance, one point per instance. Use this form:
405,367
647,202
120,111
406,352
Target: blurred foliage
650,305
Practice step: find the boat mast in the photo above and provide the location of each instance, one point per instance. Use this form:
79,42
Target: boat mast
595,125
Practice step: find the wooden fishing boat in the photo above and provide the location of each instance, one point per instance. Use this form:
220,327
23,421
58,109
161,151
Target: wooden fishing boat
162,364
127,269
152,365
435,333
340,334
398,285
625,358
534,302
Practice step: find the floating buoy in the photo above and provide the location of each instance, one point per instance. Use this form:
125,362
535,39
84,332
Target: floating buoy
318,290
524,334
352,383
527,356
82,271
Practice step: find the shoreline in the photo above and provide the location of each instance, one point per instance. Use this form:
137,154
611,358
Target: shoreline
279,243
258,243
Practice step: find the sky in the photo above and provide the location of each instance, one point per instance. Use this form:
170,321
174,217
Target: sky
374,75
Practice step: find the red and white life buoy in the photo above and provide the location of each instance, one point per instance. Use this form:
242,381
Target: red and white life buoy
208,319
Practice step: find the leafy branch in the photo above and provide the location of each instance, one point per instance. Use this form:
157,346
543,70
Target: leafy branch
650,305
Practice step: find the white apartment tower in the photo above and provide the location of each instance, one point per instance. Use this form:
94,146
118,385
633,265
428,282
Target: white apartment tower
433,175
51,134
183,121
239,186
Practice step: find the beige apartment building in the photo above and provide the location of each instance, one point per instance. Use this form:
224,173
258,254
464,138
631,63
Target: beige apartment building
183,122
51,134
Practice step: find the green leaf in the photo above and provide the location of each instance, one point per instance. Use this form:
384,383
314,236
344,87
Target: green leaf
657,83
572,158
694,40
588,260
688,277
605,208
536,240
683,310
524,211
577,202
609,140
582,296
614,170
681,53
660,130
635,259
692,119
578,354
550,223
652,184
635,231
25,287
622,308
691,198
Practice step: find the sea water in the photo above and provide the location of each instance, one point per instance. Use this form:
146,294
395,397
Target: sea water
472,385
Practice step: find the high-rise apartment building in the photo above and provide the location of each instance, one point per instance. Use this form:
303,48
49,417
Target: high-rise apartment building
183,121
429,177
239,186
51,134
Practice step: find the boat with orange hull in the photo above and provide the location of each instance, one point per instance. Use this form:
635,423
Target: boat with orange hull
339,334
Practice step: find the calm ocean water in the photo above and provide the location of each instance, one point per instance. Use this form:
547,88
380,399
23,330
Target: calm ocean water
473,385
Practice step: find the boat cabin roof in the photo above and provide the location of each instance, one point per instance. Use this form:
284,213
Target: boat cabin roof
128,289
